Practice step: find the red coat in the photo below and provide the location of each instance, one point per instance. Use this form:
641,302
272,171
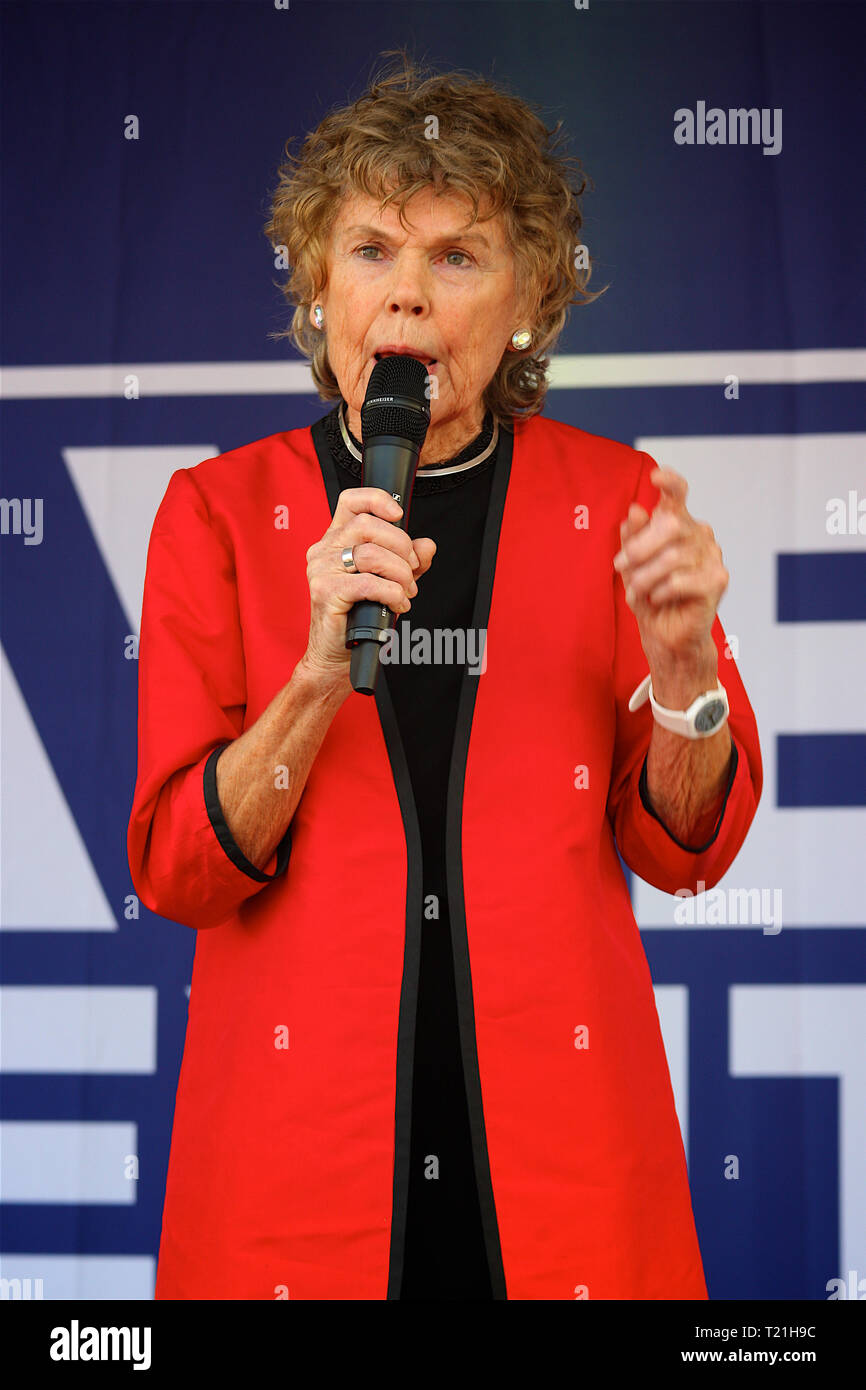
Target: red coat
288,1169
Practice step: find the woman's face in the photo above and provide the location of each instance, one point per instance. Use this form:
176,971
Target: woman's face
444,289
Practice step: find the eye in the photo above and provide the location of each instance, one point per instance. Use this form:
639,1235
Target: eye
465,258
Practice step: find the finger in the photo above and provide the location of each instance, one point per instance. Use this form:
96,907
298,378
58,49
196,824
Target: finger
363,527
355,587
637,518
684,585
672,486
642,579
663,528
425,549
354,500
375,559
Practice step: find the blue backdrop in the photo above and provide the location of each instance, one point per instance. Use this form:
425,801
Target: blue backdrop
138,292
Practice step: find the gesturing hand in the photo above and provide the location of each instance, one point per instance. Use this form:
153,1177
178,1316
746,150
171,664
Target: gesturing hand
671,566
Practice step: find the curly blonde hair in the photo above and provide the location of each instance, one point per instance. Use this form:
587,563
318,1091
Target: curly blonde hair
492,147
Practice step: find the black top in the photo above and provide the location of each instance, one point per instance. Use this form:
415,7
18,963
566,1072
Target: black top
444,1254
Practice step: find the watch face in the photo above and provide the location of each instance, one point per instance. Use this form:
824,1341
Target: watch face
708,717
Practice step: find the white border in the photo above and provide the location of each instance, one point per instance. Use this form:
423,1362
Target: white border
568,372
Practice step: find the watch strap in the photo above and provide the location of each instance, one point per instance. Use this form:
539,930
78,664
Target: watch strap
703,718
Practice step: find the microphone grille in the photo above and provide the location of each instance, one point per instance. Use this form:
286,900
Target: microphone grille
396,400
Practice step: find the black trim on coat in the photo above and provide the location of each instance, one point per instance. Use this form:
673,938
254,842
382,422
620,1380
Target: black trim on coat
412,938
454,862
224,835
648,806
415,900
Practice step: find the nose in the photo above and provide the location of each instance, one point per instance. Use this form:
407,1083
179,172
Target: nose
409,291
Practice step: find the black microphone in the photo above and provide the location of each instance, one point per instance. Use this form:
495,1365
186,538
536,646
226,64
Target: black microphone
395,418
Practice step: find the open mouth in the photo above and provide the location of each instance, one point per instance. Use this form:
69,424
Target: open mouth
419,357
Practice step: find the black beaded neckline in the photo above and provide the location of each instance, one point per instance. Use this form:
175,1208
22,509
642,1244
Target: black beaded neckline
424,486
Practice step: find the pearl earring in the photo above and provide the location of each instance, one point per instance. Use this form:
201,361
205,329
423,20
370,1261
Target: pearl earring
318,316
521,339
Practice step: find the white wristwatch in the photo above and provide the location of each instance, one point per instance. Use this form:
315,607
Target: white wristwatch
704,716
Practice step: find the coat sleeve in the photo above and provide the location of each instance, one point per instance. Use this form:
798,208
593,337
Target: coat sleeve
644,841
184,862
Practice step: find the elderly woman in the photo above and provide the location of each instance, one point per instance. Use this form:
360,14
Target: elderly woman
423,1058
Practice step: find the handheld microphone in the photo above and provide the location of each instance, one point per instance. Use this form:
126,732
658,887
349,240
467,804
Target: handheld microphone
395,418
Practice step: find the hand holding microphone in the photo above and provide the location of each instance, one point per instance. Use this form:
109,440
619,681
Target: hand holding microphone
351,614
395,418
